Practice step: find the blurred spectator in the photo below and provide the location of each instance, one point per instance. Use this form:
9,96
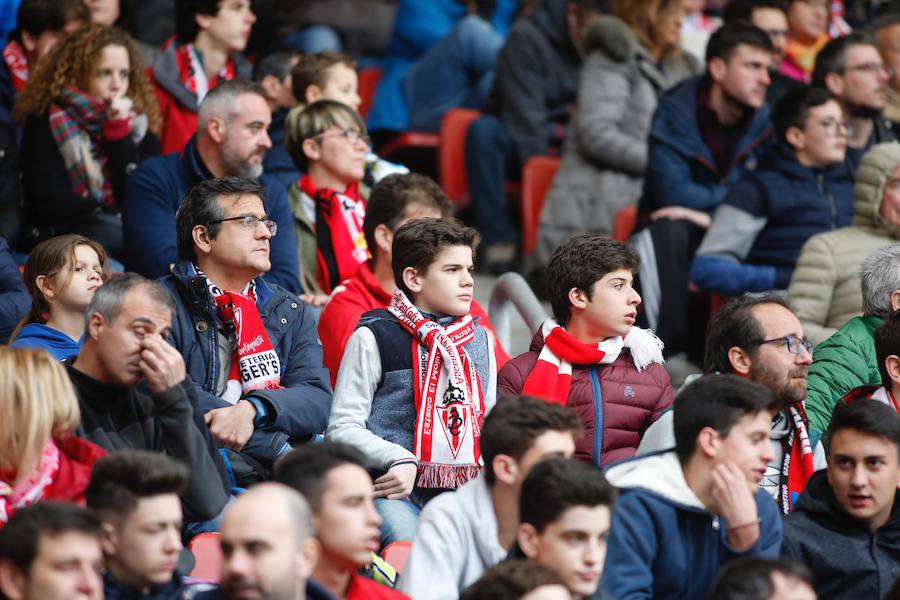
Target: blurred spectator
273,73
700,499
89,117
852,71
887,352
61,275
136,494
758,578
263,387
127,323
802,187
39,25
696,28
771,17
887,39
808,25
124,15
14,298
231,141
357,27
825,286
210,35
526,115
328,142
51,550
517,579
40,459
846,527
11,209
632,57
706,134
847,359
441,55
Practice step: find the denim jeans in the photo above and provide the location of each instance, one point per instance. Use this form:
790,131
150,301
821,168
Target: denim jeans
491,159
457,71
398,520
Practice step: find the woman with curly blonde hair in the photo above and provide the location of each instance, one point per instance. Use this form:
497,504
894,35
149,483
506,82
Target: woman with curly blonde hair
89,115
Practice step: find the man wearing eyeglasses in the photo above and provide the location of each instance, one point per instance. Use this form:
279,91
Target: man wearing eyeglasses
758,337
802,187
250,347
851,69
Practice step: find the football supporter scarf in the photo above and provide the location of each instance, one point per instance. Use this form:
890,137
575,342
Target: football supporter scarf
193,75
340,241
254,362
448,401
28,490
797,464
17,62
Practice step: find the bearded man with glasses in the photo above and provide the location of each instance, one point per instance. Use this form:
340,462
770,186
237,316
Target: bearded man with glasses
250,347
757,337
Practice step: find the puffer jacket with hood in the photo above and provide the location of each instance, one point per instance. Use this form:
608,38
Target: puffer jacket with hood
605,152
825,288
846,560
663,542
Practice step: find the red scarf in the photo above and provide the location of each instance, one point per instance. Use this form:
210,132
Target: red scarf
193,75
552,373
340,241
16,494
17,62
797,464
254,363
448,400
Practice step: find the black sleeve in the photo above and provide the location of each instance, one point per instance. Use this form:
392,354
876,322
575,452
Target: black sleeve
123,155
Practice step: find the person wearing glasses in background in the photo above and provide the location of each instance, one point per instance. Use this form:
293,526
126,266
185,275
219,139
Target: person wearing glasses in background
852,71
250,347
757,337
802,187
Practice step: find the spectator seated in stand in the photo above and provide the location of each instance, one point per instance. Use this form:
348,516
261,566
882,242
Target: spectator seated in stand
886,32
518,580
807,35
15,301
887,351
590,356
758,578
423,360
231,140
273,73
210,36
802,187
89,117
683,513
846,526
61,275
40,459
825,285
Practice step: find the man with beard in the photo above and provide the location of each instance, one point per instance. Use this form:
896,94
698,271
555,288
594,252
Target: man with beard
231,140
757,337
851,69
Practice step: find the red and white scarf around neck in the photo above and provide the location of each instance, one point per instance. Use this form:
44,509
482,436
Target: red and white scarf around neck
30,489
193,74
797,464
254,363
448,400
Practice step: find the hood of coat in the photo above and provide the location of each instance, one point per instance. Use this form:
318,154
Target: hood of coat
818,501
612,36
871,178
659,473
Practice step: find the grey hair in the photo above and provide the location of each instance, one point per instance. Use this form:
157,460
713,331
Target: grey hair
221,101
880,276
108,298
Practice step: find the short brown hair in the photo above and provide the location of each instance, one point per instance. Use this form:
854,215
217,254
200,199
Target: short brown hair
511,580
312,69
125,477
392,195
418,243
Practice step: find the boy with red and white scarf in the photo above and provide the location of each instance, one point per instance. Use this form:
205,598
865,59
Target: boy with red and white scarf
590,356
417,379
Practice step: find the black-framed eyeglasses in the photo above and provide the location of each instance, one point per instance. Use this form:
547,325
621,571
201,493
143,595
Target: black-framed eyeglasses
835,127
793,344
352,135
250,222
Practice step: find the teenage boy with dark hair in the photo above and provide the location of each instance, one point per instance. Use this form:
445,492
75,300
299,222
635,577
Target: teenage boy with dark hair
846,525
682,513
518,579
802,187
564,510
462,533
758,578
590,356
333,479
417,378
135,494
887,351
210,35
41,537
394,201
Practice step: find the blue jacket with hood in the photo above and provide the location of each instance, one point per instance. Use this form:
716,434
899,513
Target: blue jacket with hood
38,335
663,542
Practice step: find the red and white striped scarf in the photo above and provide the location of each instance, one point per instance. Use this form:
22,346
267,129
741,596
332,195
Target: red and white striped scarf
448,399
797,463
28,490
193,75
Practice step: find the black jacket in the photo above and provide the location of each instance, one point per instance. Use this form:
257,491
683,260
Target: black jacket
845,559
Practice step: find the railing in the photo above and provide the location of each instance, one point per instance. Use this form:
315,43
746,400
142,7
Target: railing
512,292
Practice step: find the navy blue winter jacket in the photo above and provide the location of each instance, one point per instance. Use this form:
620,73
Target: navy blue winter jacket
14,297
277,163
301,408
758,230
681,170
154,194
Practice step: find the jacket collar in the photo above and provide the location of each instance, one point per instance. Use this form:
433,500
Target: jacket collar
193,164
659,473
783,159
195,287
819,503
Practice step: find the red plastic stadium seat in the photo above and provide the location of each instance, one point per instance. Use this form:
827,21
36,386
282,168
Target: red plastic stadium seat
624,223
537,175
208,554
452,153
368,83
396,554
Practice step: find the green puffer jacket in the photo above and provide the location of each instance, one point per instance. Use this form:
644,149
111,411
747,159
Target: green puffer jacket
844,361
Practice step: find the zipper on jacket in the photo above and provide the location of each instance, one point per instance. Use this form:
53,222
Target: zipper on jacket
594,376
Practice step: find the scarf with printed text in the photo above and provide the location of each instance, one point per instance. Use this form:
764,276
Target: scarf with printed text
448,399
797,463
